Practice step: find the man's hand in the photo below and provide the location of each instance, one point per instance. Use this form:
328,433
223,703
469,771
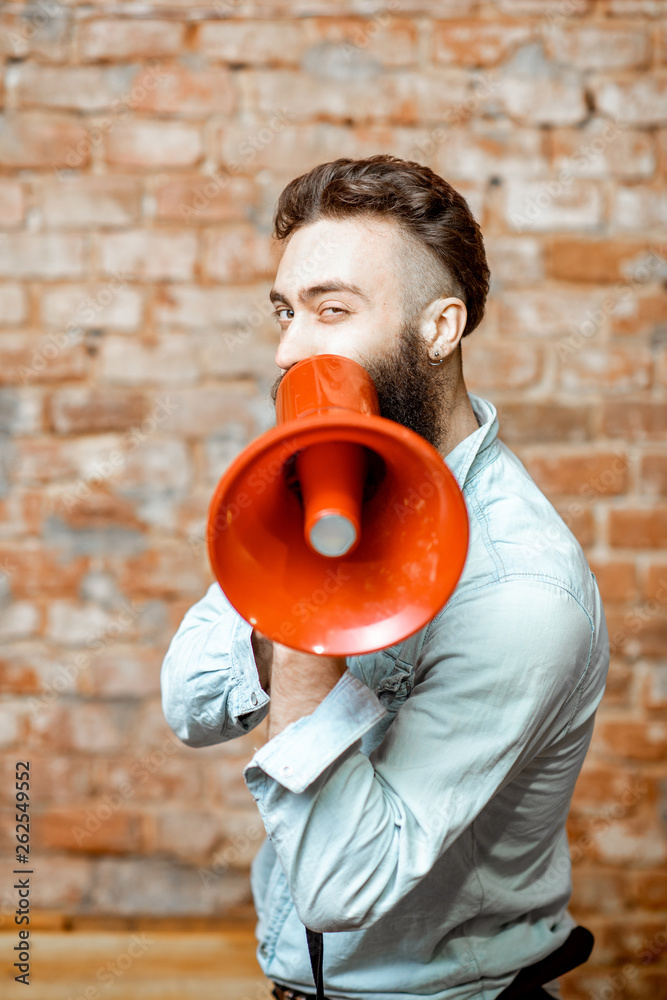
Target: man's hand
299,682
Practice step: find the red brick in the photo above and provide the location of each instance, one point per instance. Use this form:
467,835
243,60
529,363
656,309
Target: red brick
656,582
12,203
82,410
182,839
122,39
12,304
167,361
534,91
600,46
34,141
198,199
489,364
480,150
654,694
474,43
589,475
638,315
403,98
183,91
96,510
37,571
544,423
36,32
125,671
635,419
30,359
616,579
545,312
620,684
648,890
42,255
238,254
642,631
110,305
638,209
154,776
602,149
640,100
53,779
91,201
83,727
601,261
578,516
77,88
599,892
153,255
149,144
638,528
654,474
553,206
98,829
618,369
390,40
514,260
166,571
633,740
604,789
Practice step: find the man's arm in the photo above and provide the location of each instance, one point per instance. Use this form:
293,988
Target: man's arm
505,670
211,688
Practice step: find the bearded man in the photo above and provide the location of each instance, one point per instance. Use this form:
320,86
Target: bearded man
415,798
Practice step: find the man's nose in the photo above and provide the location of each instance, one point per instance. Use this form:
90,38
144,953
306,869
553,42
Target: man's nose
294,346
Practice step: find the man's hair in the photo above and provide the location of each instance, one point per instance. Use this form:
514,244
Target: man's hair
442,254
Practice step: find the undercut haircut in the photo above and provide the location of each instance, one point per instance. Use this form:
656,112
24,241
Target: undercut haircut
442,251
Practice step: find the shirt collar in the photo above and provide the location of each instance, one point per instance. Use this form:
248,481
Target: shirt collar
469,453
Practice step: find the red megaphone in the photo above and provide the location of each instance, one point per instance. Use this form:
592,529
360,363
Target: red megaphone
338,531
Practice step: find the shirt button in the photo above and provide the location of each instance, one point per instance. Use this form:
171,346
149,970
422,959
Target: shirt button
264,949
286,770
253,698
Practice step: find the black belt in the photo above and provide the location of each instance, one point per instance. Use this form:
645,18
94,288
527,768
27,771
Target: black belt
527,984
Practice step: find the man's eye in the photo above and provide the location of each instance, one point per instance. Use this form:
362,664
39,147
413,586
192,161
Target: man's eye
283,309
336,309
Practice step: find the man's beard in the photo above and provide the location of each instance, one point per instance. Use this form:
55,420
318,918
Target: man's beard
410,390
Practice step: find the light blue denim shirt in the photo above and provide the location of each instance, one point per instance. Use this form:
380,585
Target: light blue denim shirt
417,816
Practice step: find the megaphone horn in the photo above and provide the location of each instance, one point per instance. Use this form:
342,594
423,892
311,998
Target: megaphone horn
337,493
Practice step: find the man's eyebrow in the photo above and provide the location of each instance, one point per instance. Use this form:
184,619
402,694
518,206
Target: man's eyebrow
327,286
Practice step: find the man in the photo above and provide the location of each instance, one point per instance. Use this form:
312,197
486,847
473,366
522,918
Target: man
414,799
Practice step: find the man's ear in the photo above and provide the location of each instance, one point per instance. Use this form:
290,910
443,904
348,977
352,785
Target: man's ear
442,325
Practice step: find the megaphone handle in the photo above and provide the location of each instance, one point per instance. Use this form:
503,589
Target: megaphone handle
316,949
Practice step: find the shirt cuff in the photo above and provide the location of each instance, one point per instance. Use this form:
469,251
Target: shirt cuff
305,748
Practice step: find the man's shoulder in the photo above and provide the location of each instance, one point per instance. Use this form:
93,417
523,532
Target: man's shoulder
516,533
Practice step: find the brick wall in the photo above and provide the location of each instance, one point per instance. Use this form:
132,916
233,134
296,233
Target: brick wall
141,152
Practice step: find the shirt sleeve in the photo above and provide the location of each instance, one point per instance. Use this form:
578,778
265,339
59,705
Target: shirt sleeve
211,691
495,680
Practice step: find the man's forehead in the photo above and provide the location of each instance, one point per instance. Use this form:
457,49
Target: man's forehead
357,251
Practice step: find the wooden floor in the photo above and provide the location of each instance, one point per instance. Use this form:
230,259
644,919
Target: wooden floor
145,963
